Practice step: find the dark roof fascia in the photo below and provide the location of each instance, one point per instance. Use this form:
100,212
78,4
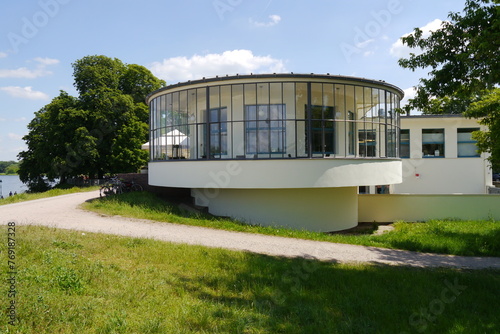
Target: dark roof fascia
434,116
275,75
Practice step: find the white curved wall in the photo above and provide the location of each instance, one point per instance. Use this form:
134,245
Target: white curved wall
275,174
313,209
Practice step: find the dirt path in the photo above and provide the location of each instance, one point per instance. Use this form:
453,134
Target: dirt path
63,212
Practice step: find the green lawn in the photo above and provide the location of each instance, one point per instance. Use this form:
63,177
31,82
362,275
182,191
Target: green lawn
472,238
74,282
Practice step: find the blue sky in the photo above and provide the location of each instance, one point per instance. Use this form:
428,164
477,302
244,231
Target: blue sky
189,39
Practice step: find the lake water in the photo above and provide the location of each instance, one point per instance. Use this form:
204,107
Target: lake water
11,183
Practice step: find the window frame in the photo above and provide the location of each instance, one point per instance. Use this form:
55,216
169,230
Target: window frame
471,141
258,126
217,128
404,142
442,153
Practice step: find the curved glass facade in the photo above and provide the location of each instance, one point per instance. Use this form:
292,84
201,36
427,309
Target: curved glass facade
275,117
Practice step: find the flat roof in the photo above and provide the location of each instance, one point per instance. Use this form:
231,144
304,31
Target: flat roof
433,116
292,75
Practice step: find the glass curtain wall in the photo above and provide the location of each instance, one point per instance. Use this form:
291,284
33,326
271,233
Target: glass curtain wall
272,120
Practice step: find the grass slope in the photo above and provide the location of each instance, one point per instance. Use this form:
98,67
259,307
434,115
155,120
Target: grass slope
73,282
471,238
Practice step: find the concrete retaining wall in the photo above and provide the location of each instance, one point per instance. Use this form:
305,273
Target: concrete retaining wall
390,208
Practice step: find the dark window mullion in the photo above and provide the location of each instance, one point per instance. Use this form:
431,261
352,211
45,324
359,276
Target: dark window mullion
207,125
309,121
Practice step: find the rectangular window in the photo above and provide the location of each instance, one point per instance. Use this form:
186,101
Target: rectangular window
364,190
391,142
433,143
466,146
217,120
323,129
367,143
404,143
265,131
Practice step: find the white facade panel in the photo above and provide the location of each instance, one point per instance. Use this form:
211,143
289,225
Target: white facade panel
443,176
275,174
457,172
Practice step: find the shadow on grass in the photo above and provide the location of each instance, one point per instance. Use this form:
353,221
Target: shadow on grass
306,296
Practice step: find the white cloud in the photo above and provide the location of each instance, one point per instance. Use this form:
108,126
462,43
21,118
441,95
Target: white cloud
24,93
20,119
409,94
364,44
180,69
46,61
274,20
400,50
26,73
3,55
13,136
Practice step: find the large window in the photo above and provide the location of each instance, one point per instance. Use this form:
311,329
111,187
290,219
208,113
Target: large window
218,132
265,129
433,143
367,143
323,130
404,143
466,146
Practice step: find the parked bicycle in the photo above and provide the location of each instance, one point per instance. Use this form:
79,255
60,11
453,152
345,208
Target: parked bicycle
116,186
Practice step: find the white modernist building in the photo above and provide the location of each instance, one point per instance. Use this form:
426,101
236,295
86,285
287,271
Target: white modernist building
440,156
277,149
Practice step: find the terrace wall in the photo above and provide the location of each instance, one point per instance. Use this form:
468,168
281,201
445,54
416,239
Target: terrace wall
408,207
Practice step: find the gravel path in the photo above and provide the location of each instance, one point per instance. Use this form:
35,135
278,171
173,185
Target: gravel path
63,212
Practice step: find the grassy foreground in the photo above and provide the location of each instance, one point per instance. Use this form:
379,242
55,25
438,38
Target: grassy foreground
23,197
74,282
471,238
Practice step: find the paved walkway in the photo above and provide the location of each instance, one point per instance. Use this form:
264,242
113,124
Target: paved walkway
63,212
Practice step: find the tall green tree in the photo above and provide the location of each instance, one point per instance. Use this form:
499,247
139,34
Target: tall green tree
463,58
99,132
56,148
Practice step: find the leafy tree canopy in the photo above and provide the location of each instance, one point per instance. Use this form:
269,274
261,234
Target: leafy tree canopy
99,132
464,72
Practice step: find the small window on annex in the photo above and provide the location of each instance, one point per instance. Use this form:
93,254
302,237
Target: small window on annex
404,143
433,143
466,145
